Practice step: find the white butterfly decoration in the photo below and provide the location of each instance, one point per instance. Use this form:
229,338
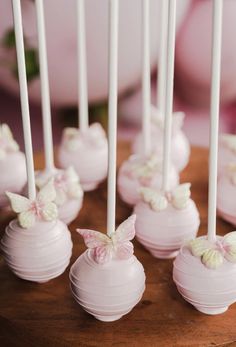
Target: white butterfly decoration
117,246
158,119
42,208
7,142
213,254
144,171
159,201
229,140
74,138
66,184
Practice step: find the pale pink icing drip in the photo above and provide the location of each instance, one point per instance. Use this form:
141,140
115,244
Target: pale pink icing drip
39,253
128,186
164,232
210,291
226,201
180,150
12,175
107,291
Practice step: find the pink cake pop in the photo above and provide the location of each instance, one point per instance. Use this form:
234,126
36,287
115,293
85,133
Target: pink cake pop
205,269
226,192
69,194
86,148
180,147
107,280
227,151
87,151
205,273
140,171
36,246
10,159
165,221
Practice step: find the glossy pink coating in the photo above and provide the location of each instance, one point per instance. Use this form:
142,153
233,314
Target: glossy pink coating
69,210
211,291
162,233
128,186
11,179
89,159
39,253
107,291
180,147
226,199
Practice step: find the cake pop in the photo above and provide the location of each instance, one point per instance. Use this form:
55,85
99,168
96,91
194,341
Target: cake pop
165,221
36,246
143,169
87,151
69,194
226,203
109,266
227,152
205,268
85,147
180,147
10,158
140,171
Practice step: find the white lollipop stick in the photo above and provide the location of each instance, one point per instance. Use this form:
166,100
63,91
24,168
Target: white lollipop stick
162,58
146,86
82,67
215,103
45,93
169,93
24,97
112,114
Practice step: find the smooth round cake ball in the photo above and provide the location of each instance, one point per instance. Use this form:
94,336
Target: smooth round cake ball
226,195
39,253
13,175
226,152
87,152
209,290
119,286
142,171
69,194
166,220
180,147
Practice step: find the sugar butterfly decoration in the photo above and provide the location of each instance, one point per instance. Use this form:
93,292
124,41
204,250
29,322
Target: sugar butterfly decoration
7,142
158,119
105,247
229,140
66,184
213,254
159,201
42,208
74,138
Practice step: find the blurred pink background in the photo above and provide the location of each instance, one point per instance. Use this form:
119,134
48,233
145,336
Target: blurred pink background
192,73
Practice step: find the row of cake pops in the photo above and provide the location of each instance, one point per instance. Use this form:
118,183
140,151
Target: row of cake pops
166,217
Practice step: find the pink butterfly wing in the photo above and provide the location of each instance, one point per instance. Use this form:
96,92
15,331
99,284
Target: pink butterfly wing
124,250
102,254
125,231
94,239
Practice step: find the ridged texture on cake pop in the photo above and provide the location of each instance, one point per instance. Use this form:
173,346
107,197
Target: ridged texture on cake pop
107,291
39,253
211,291
87,152
163,232
140,171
